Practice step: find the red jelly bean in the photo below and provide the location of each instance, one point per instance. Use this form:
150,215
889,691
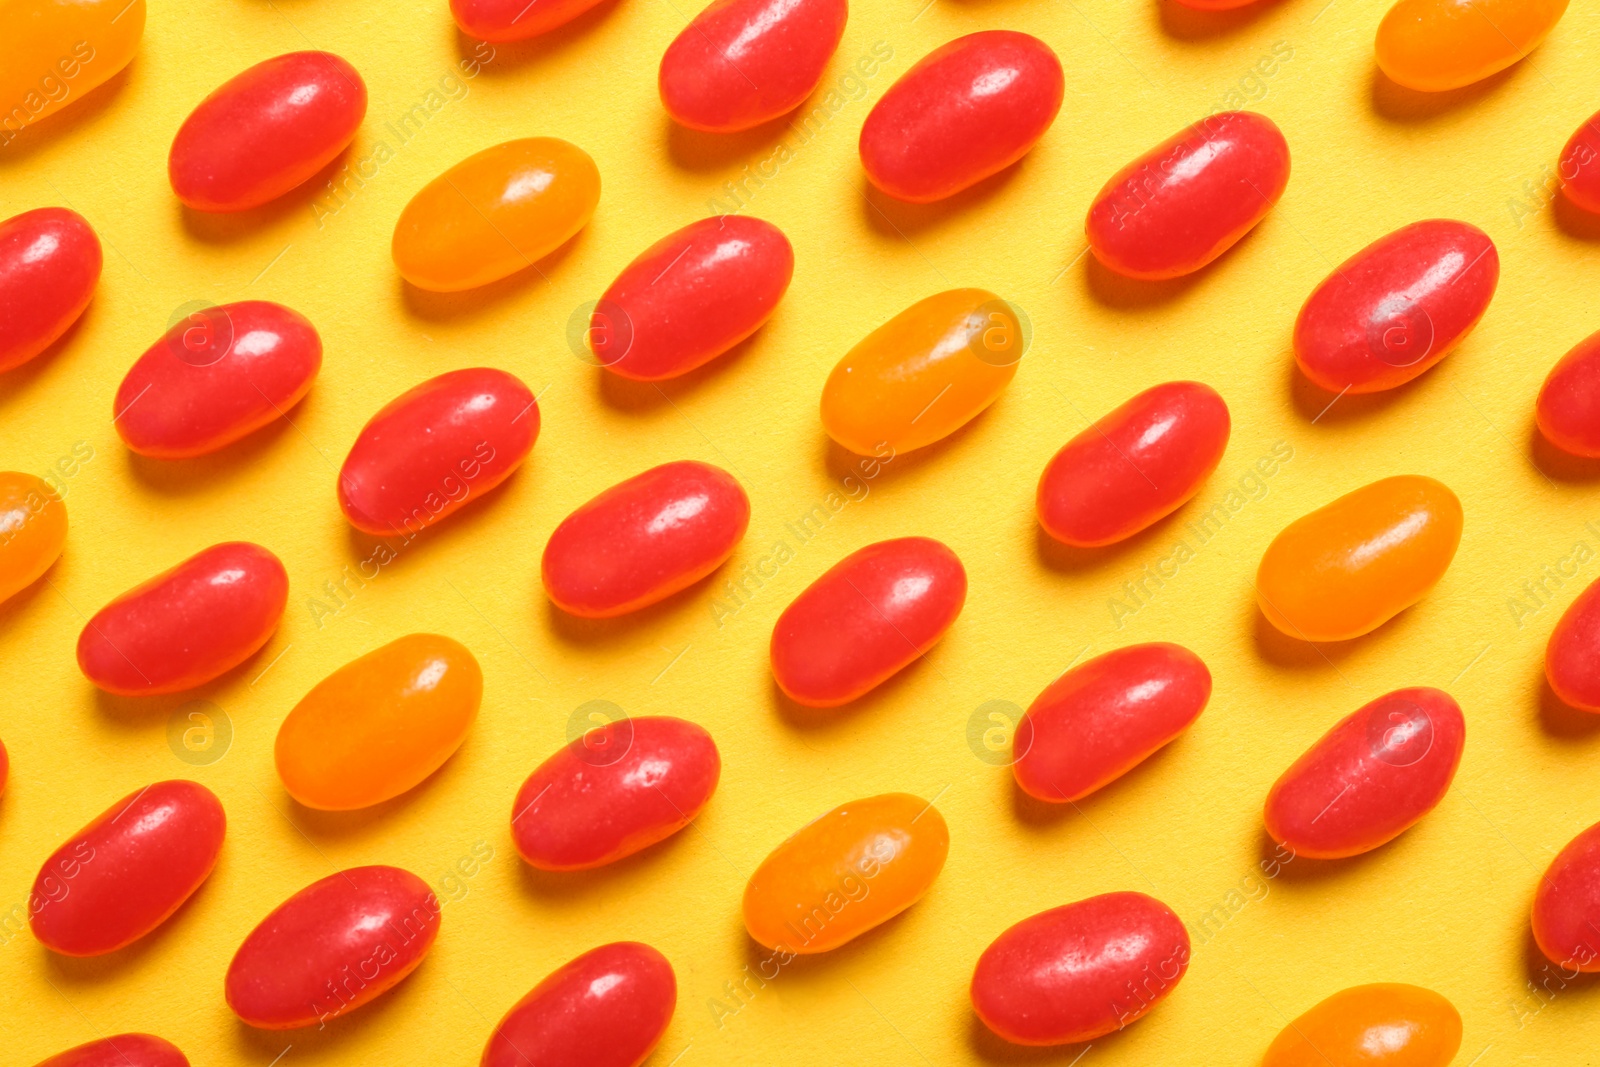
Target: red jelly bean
186,625
49,265
644,539
514,20
1080,971
436,447
966,110
265,131
1102,718
690,297
871,615
607,1008
1580,166
123,1050
1135,466
337,944
1572,656
1567,903
1397,307
1190,198
740,63
217,376
5,767
125,873
1371,777
1568,409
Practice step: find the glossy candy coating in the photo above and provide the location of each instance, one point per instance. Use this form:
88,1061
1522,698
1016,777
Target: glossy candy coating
187,625
215,377
54,52
265,131
1134,466
690,297
1436,45
1371,777
123,1050
740,63
1352,565
125,873
436,447
50,262
5,767
514,20
871,615
337,944
1215,5
644,539
1190,198
607,1008
1394,309
924,374
1070,974
966,110
380,724
1384,1025
1572,655
1579,167
1566,905
1104,717
1568,408
33,529
495,213
837,877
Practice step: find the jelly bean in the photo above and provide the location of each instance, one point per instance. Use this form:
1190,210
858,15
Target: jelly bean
1384,1025
1102,718
1190,198
125,873
616,790
186,625
495,213
54,53
123,1050
379,725
265,131
339,943
215,377
436,447
839,876
924,374
644,539
514,20
966,110
1397,307
690,297
1567,902
1435,45
872,614
1371,777
1568,409
607,1008
1350,566
5,767
33,529
741,63
1135,466
1572,655
49,265
1578,168
1080,971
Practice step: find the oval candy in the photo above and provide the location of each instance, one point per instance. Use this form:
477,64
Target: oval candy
33,530
1579,166
1568,408
1437,45
53,53
514,20
1572,655
1382,1025
123,1050
50,262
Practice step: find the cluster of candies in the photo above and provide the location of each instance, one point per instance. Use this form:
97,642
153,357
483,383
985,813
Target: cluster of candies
382,724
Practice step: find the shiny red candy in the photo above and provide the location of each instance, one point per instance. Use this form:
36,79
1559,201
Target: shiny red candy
219,375
690,297
1579,168
1397,307
1135,466
607,1008
1566,904
1568,409
186,625
514,20
337,944
740,63
436,447
1078,972
125,873
1191,198
1371,777
871,615
966,110
123,1050
1572,655
1104,717
265,131
49,264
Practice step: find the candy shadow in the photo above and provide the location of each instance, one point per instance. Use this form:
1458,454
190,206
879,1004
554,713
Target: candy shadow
990,1047
577,630
1303,870
1561,720
226,227
1189,24
1573,220
20,377
634,397
1396,103
577,888
1074,560
816,720
1041,815
1282,650
1317,405
820,967
700,152
1553,978
176,477
348,826
458,524
429,306
1557,464
267,1046
841,463
508,56
64,123
14,607
1121,293
141,712
889,217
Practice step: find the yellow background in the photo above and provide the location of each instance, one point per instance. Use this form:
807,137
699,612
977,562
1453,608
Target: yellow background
1444,906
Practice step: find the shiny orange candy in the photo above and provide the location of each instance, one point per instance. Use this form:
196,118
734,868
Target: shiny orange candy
53,53
33,527
1435,45
1383,1025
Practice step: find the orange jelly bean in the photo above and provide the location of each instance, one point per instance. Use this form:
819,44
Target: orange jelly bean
1383,1025
1435,45
33,527
1346,569
495,213
53,52
924,374
380,724
834,879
